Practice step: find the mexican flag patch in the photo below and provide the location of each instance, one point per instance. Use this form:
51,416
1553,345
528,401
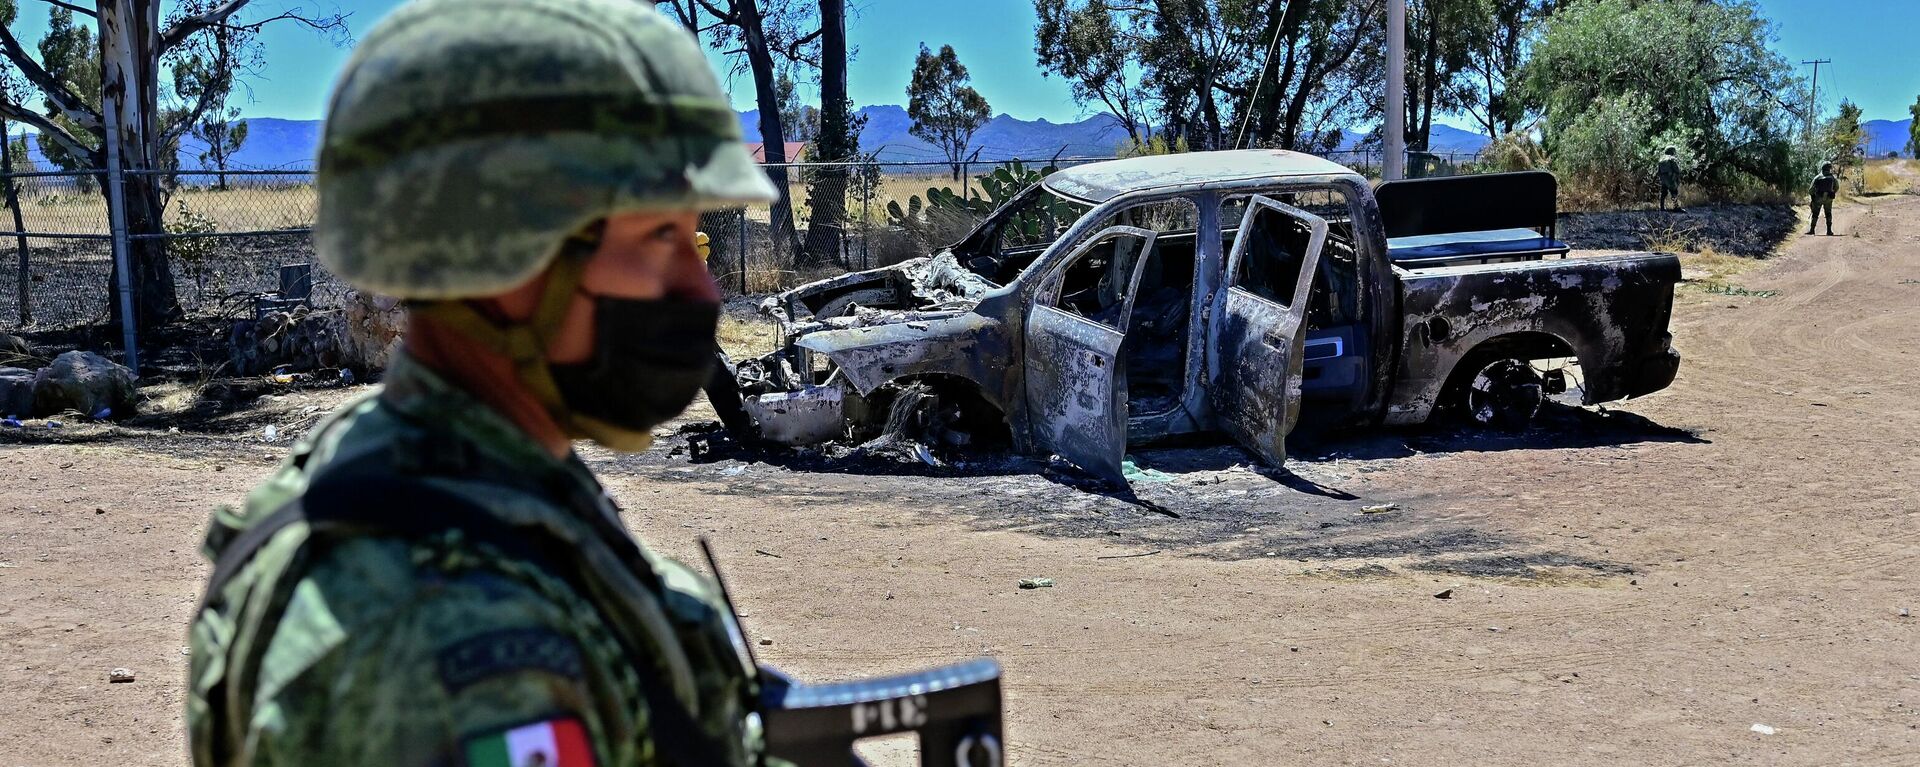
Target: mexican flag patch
552,743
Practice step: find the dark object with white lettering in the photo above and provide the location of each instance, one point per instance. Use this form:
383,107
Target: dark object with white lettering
955,710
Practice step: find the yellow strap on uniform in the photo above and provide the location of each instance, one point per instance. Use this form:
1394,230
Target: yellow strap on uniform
524,343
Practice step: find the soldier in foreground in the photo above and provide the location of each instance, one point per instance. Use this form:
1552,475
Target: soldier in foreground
1826,186
1668,175
433,577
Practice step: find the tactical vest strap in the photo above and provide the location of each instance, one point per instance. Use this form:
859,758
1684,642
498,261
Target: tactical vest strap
351,498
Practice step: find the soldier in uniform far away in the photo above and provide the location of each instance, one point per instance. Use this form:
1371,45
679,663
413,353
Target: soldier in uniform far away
432,576
1669,176
1826,186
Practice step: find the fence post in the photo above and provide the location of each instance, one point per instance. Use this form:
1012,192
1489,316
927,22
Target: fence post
23,279
117,219
741,243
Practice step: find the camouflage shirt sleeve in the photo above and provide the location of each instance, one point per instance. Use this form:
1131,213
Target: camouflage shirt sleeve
398,654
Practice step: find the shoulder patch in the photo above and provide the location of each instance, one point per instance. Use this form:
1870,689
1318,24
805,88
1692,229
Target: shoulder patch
497,652
547,743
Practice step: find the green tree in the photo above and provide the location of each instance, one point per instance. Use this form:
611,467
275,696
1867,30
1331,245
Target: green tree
1842,141
1701,69
72,59
1440,38
1220,73
1088,47
1913,129
222,133
1497,51
945,109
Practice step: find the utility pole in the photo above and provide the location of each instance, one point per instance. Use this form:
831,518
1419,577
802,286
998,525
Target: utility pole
1393,165
1813,101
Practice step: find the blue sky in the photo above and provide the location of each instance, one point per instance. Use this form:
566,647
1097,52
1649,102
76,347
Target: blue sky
1870,42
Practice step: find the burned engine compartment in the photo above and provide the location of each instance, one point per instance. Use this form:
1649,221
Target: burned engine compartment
844,340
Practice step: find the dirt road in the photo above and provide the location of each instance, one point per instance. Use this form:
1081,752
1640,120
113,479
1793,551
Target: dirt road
1636,588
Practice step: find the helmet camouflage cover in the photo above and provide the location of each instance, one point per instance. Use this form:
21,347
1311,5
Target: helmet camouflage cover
467,139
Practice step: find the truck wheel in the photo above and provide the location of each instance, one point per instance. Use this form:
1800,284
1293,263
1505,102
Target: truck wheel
1504,394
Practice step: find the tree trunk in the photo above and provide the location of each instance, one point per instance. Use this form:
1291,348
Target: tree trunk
22,277
130,79
773,138
828,195
1428,84
1297,104
1288,28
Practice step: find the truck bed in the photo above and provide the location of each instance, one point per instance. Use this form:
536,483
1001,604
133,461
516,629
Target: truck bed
1608,312
1484,247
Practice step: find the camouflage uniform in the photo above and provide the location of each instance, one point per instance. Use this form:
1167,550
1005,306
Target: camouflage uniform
467,141
1669,177
411,652
1826,186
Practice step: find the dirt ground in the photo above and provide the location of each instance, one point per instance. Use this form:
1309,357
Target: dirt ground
1640,586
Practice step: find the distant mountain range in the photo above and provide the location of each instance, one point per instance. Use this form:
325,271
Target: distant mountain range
274,143
1885,136
1003,137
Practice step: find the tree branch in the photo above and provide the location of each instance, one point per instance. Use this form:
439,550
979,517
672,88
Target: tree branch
191,24
322,24
725,17
791,51
70,104
210,95
75,8
51,130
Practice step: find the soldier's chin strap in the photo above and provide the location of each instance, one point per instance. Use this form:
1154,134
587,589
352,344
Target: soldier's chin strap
525,344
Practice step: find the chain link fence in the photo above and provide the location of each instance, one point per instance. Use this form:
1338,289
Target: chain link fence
230,233
227,235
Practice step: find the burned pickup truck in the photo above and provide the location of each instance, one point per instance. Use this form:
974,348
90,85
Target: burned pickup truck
1128,301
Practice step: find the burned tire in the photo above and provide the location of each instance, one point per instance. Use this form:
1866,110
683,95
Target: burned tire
1502,394
943,418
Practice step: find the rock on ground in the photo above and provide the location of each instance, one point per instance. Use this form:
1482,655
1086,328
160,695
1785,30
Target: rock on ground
86,383
16,392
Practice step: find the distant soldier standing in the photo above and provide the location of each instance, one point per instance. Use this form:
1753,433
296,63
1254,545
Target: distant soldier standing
1669,176
1826,186
433,577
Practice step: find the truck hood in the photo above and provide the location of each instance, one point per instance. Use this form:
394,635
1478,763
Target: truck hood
934,285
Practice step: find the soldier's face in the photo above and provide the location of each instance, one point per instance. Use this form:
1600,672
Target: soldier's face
641,256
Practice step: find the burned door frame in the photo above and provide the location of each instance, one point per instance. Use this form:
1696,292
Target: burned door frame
1076,381
1256,352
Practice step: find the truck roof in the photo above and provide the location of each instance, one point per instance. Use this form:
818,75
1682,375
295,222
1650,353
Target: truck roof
1102,181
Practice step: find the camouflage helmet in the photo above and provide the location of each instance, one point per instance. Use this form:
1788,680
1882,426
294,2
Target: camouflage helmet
467,139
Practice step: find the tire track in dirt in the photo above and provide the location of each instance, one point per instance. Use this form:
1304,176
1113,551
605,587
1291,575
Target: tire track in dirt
1555,661
1368,630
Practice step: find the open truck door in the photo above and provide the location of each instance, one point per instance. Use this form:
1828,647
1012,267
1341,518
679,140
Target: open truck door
1254,360
1076,379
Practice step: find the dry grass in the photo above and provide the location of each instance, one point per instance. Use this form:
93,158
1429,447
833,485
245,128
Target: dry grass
1702,267
742,337
1891,177
239,209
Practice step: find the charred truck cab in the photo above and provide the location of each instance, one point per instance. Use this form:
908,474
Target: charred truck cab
1236,292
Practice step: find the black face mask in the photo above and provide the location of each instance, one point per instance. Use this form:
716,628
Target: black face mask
650,357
